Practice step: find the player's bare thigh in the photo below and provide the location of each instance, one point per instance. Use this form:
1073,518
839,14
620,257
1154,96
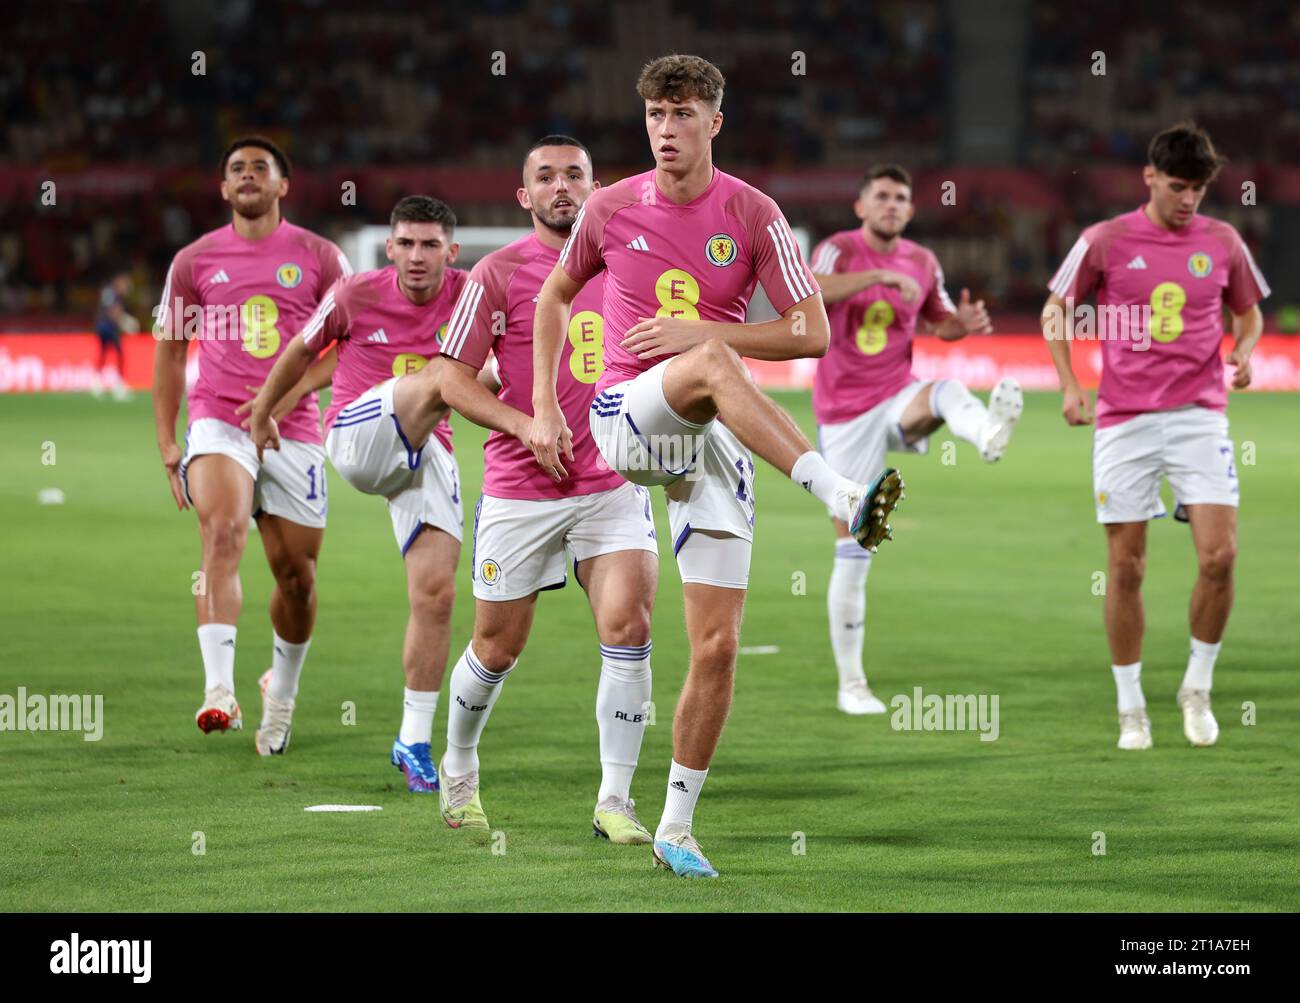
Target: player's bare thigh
1126,544
918,420
690,379
222,494
501,630
418,403
621,589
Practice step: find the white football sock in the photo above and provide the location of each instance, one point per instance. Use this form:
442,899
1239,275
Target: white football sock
684,788
474,692
418,708
286,667
960,410
1200,665
1128,684
814,475
846,605
622,705
217,646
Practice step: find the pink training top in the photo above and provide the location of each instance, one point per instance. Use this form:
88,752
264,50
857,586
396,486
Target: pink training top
1184,276
381,333
870,354
699,260
243,300
495,314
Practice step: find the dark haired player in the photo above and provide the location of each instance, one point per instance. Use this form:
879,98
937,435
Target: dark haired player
878,286
682,247
388,435
242,291
1161,407
526,525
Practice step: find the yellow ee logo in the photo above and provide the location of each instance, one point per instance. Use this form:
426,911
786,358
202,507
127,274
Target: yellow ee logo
1167,302
678,293
407,363
1200,264
288,275
721,250
258,315
587,336
873,335
489,572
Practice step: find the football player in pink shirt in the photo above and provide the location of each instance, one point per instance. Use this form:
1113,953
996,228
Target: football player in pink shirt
388,435
527,524
877,286
242,291
682,247
1161,406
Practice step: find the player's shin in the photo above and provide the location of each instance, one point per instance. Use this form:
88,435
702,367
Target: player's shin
473,693
960,410
622,707
846,605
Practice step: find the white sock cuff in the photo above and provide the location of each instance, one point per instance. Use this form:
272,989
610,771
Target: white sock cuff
419,699
1204,649
1132,671
625,663
218,631
689,773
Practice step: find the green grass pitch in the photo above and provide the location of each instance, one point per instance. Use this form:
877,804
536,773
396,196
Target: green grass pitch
987,590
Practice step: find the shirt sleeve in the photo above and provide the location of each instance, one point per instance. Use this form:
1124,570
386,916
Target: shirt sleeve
827,257
178,294
1246,283
331,319
938,305
479,316
1081,271
582,256
334,264
778,265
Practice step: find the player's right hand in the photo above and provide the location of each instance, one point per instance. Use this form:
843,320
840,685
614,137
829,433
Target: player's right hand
1075,406
264,432
548,437
908,288
171,457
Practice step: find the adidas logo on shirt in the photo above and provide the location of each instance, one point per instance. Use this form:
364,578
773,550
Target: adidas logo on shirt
379,337
639,243
221,276
1137,262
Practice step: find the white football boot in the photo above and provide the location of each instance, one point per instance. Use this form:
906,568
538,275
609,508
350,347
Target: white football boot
1006,403
220,711
1198,720
856,698
272,737
1135,729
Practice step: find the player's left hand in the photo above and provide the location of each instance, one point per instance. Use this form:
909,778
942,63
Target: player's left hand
1240,359
974,317
264,432
651,337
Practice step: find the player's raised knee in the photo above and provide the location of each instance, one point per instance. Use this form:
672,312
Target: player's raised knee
223,537
434,598
297,580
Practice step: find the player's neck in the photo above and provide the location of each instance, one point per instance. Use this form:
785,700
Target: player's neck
881,245
548,237
680,189
259,226
1150,210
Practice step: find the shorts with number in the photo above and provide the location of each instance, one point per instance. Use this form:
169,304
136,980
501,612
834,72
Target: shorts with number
707,474
422,484
1190,446
289,482
856,449
520,545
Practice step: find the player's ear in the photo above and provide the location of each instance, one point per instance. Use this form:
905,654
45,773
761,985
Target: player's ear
284,187
860,207
717,124
1148,175
225,190
388,248
595,185
524,201
452,252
